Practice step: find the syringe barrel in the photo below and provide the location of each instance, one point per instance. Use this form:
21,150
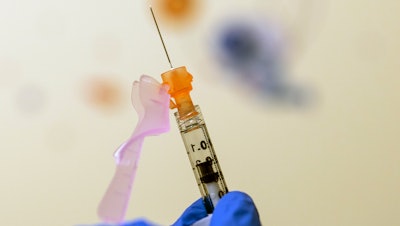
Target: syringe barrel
203,159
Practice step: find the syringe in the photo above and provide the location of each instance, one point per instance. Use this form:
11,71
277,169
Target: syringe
199,147
196,139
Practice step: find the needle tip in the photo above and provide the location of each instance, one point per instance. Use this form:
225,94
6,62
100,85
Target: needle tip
159,33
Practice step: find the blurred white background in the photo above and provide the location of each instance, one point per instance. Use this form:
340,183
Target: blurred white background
66,69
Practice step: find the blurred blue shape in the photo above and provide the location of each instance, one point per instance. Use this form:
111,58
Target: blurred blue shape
255,50
240,44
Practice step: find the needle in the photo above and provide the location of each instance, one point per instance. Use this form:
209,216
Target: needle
159,33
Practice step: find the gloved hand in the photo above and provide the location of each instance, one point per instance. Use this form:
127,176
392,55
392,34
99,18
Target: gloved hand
234,209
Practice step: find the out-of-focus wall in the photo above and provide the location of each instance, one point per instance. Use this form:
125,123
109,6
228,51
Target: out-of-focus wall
66,69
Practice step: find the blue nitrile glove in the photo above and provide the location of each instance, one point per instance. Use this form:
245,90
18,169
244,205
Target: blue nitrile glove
234,209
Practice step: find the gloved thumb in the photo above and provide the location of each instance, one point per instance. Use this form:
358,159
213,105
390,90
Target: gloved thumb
235,209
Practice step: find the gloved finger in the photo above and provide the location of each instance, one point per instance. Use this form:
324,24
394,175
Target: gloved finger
193,213
235,209
136,222
98,224
204,221
139,222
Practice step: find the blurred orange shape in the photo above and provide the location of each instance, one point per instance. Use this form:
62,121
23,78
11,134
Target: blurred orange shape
178,7
103,93
176,12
